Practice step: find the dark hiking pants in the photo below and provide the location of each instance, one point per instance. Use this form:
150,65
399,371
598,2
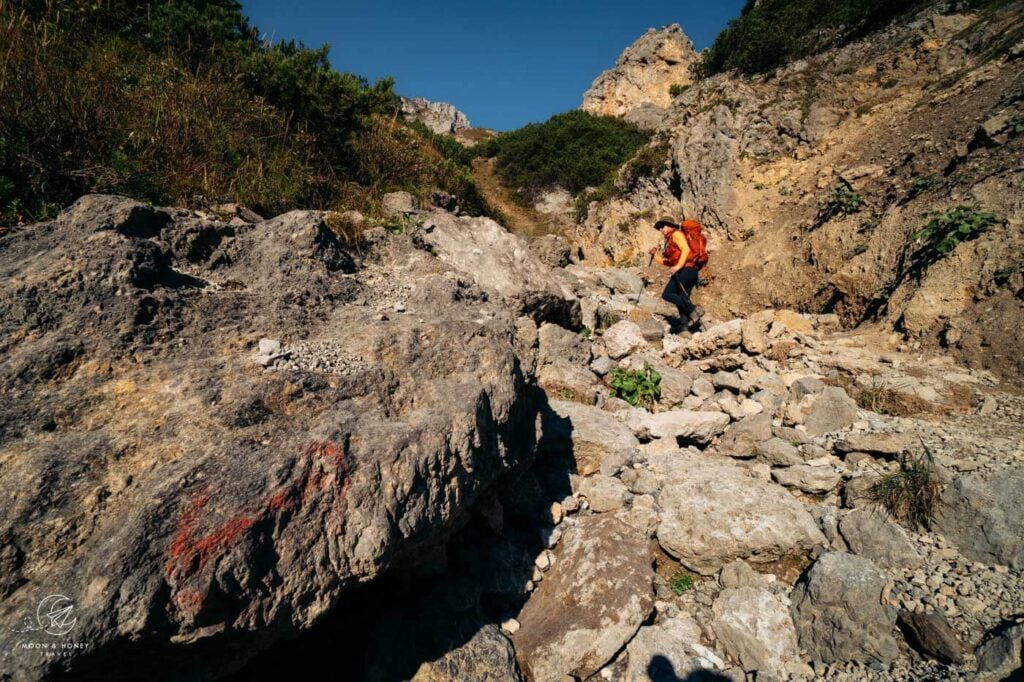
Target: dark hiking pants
677,291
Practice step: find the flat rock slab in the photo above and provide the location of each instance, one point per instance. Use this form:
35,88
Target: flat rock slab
713,513
590,604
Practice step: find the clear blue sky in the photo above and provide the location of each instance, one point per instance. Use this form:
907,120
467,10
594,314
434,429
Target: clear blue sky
503,62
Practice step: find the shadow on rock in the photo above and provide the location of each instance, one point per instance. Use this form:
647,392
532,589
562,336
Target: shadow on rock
660,670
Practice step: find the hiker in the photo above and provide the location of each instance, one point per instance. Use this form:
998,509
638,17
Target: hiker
685,253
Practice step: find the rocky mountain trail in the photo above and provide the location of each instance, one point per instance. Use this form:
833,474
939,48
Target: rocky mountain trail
508,470
817,181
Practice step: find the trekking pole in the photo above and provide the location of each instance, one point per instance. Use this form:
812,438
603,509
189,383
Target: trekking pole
642,285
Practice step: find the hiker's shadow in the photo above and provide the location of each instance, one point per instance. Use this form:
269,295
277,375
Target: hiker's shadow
660,669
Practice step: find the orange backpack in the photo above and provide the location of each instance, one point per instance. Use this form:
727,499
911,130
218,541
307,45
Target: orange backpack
695,239
697,242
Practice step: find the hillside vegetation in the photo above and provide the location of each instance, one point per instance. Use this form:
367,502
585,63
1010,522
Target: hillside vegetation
182,102
574,150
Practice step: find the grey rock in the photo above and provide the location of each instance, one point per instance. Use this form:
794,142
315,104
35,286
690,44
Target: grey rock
778,452
1001,656
622,338
563,380
810,479
590,604
670,650
833,410
754,626
586,432
739,574
552,250
602,365
932,635
703,388
713,513
870,534
251,502
398,204
488,655
604,493
884,444
686,426
439,117
501,264
742,438
839,614
982,516
556,342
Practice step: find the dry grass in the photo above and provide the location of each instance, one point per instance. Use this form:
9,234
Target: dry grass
910,494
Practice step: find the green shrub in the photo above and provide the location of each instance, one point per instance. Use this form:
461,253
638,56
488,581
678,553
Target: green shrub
771,33
681,583
574,150
842,200
181,102
910,494
677,89
944,232
923,184
639,388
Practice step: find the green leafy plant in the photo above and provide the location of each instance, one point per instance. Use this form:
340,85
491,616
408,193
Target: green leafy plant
923,184
910,494
944,232
681,583
842,200
677,89
1017,125
586,332
639,388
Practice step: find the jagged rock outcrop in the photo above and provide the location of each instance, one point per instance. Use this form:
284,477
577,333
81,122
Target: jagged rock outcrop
194,498
440,117
643,75
911,121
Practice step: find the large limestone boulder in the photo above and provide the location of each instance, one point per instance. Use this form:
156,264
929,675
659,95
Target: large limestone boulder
713,513
754,626
589,433
644,74
839,614
191,494
590,604
501,264
982,515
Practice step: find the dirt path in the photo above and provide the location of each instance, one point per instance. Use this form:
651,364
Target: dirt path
524,220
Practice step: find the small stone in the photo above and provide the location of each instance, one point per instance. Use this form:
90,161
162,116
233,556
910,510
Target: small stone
510,626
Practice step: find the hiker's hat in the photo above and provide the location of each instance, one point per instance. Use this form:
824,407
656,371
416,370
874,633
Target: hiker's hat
665,221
